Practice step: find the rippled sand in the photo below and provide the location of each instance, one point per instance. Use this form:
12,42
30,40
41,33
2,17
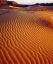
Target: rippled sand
26,37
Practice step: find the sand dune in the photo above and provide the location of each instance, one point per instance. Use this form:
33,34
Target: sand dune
26,38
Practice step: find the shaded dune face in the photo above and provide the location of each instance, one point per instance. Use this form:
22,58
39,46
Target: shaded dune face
26,38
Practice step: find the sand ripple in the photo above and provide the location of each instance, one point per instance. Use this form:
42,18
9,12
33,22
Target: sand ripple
23,41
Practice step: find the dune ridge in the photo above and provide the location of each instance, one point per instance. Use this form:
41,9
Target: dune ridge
24,40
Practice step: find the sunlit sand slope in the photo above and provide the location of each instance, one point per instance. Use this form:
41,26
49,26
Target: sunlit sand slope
26,38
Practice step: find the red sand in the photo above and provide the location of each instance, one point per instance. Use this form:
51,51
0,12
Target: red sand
26,38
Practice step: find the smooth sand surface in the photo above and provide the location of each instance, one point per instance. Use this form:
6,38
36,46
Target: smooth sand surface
26,37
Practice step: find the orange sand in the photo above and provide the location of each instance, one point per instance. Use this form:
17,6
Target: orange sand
26,37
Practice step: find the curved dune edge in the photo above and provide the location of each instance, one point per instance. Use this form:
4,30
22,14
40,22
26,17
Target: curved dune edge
24,41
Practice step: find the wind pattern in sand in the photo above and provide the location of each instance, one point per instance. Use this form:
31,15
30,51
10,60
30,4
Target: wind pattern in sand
24,39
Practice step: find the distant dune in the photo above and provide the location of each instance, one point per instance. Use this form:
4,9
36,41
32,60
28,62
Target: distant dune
26,37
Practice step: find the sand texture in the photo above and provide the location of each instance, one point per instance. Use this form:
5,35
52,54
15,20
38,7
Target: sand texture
26,37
